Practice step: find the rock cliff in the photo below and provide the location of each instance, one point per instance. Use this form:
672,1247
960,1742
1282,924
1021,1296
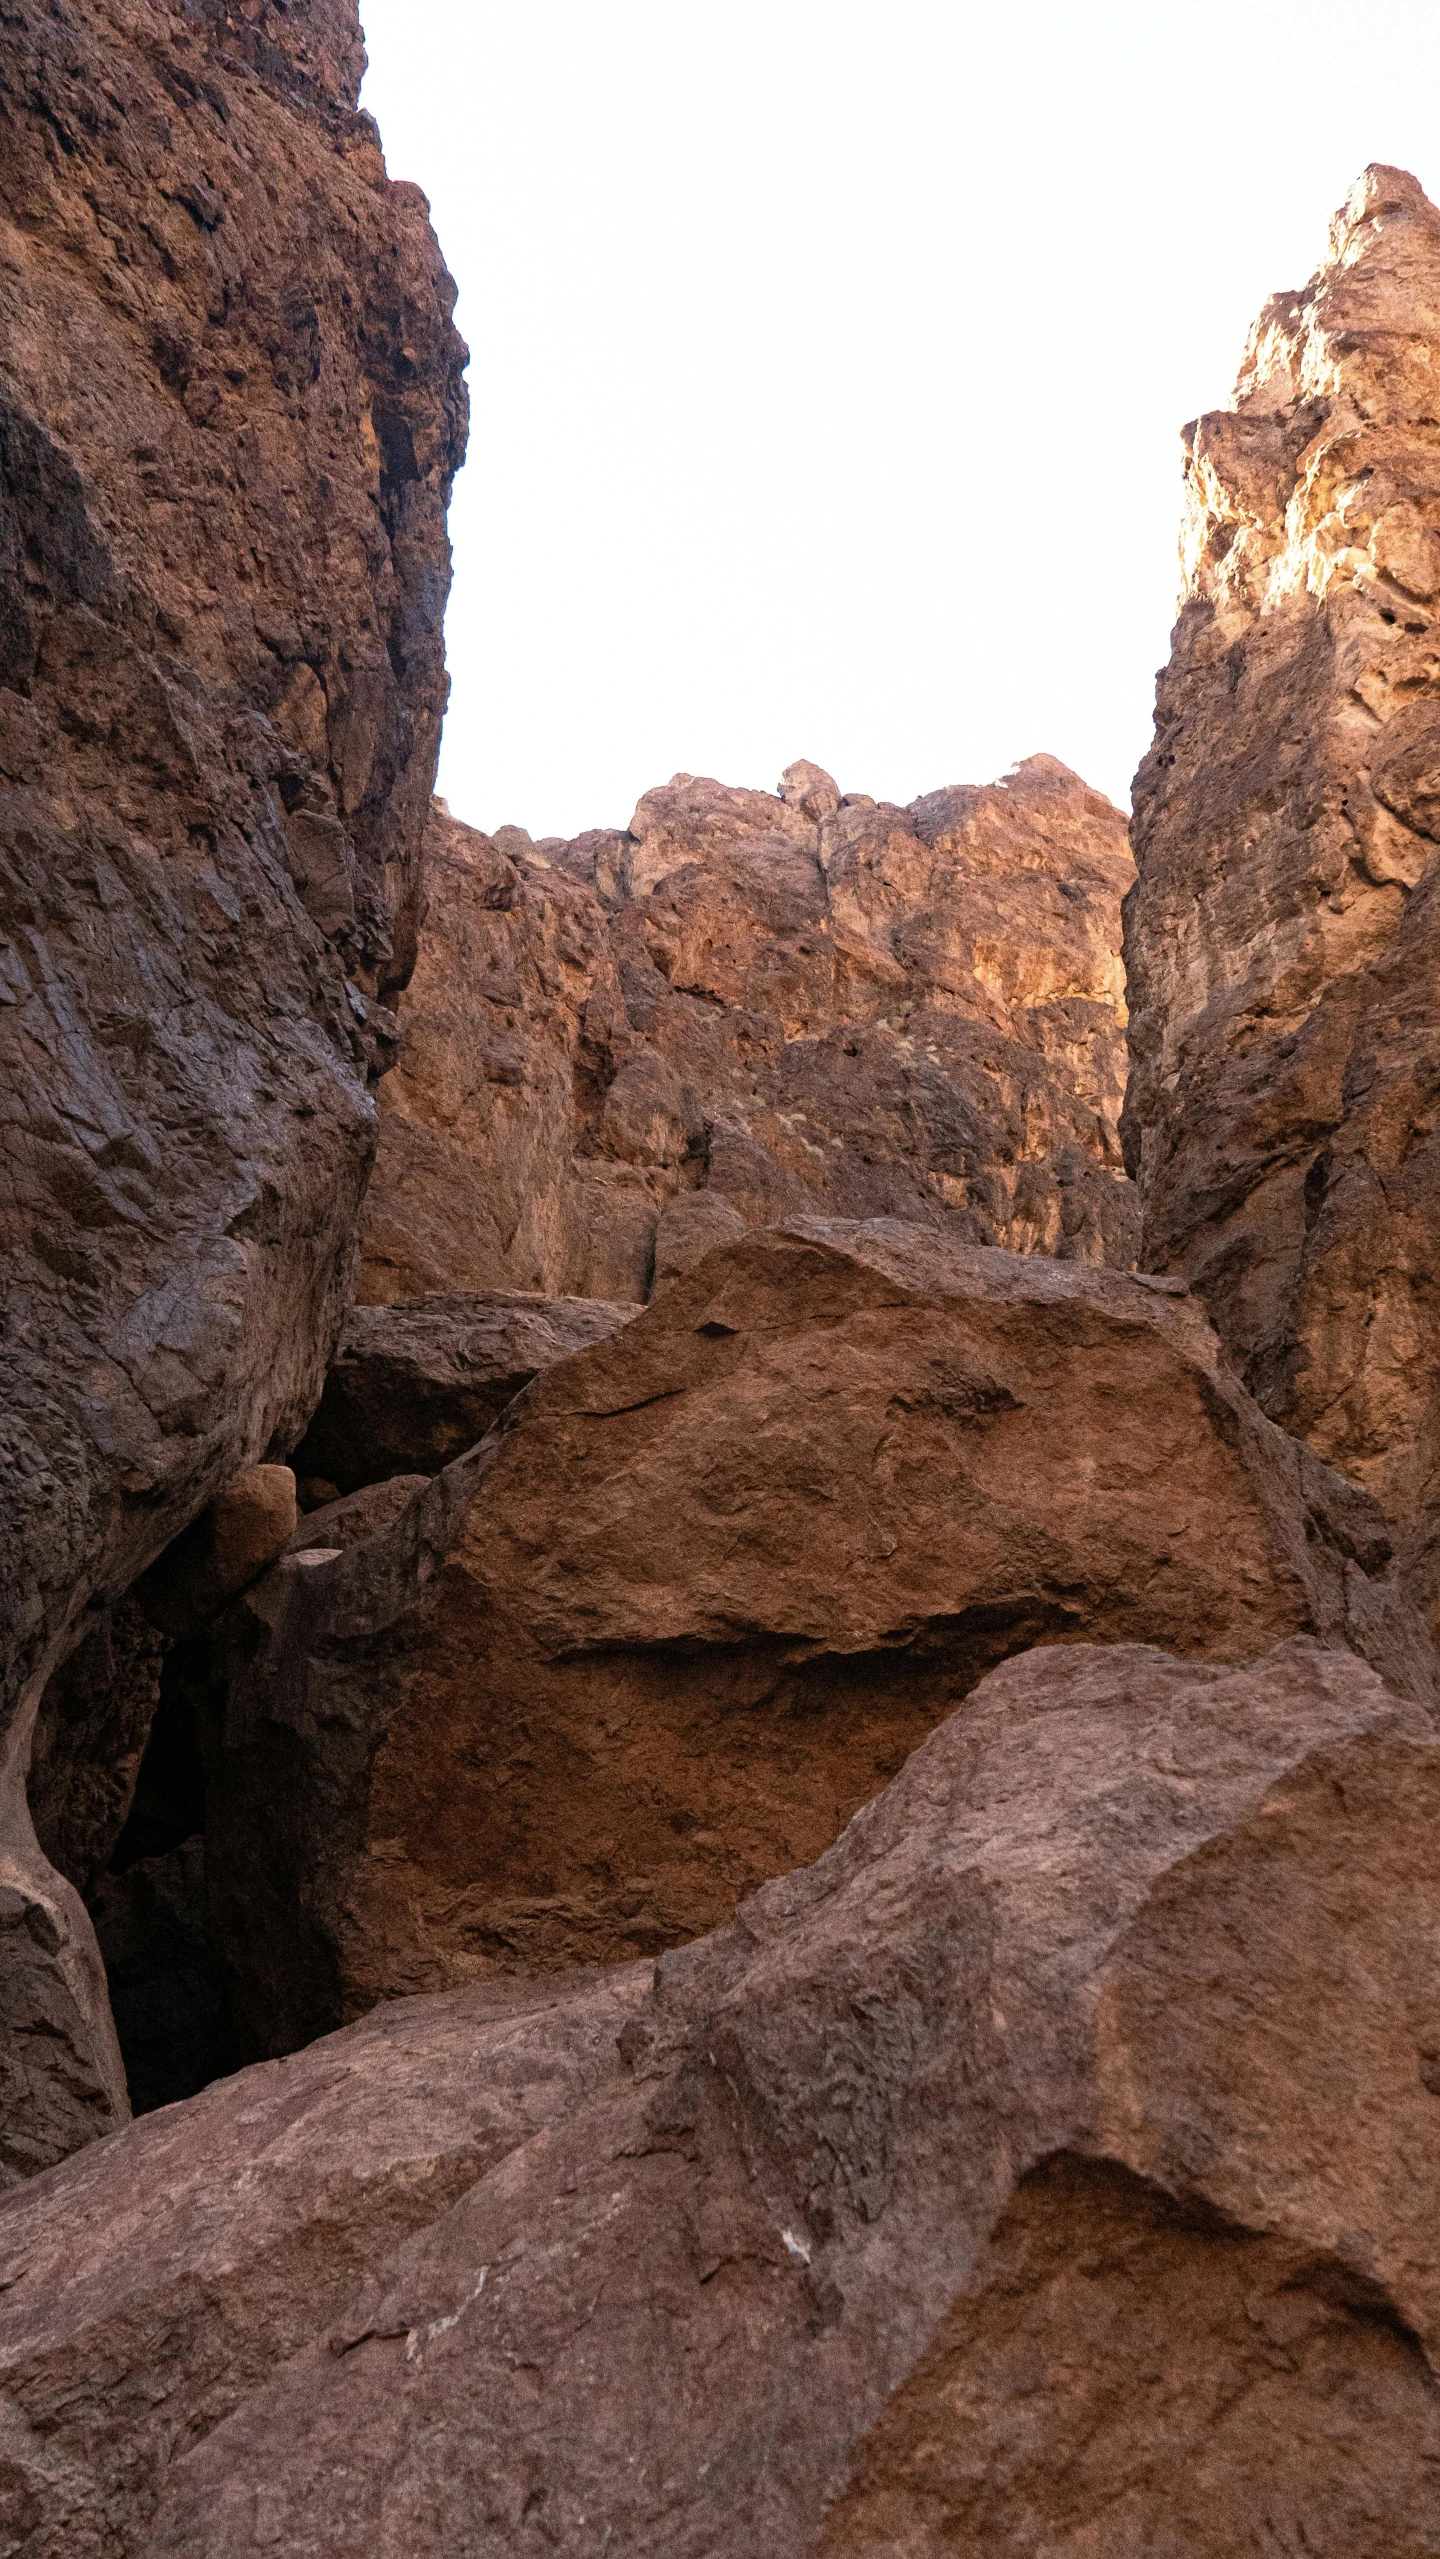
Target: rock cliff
230,410
775,1005
1283,943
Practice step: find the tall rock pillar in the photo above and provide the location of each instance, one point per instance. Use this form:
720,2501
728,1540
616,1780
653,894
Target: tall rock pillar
1283,941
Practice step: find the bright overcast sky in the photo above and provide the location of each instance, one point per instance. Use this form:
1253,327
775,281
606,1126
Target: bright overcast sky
828,358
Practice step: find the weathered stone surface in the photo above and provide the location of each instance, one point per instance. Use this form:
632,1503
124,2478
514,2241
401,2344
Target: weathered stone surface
712,1580
1283,943
230,409
90,1735
795,1004
355,1516
1053,2165
413,1386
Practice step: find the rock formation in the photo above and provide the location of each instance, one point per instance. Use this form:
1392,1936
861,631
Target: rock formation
712,1580
791,1005
413,1386
865,1814
230,410
1052,2165
1283,944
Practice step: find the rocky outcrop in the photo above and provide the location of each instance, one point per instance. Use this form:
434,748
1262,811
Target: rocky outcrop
710,1582
230,409
1052,2165
1284,940
412,1387
787,1005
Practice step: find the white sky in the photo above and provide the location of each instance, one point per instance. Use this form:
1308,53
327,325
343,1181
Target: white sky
828,357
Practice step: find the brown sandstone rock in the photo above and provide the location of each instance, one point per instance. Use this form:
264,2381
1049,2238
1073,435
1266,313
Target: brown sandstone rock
1283,942
230,409
795,1004
1055,2164
709,1584
413,1386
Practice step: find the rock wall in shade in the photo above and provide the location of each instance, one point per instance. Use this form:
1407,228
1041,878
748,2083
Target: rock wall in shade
230,410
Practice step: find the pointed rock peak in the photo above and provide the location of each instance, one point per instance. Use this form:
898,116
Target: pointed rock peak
809,788
1379,192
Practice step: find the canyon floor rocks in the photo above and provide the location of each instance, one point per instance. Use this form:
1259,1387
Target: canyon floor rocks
710,1582
1052,2164
796,1003
230,411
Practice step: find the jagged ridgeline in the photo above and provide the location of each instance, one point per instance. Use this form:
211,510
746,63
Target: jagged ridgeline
732,1754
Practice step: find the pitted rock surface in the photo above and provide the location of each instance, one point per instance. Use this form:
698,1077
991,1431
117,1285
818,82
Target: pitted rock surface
792,1005
230,410
710,1581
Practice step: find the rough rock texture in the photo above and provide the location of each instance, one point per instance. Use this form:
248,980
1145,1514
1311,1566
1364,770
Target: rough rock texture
355,1516
230,409
800,1004
712,1580
1051,2166
1283,943
413,1386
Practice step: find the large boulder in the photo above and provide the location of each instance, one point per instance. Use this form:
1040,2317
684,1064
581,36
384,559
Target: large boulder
792,1004
1054,2165
230,410
712,1580
411,1387
1283,943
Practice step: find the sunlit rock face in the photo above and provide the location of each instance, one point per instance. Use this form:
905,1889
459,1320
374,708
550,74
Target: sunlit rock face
230,410
1283,943
774,1005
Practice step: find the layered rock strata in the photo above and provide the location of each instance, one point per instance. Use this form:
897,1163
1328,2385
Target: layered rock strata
785,1005
230,410
1283,944
1053,2164
708,1585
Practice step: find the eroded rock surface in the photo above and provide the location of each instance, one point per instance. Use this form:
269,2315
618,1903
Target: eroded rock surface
1054,2162
1283,943
712,1580
796,1004
230,409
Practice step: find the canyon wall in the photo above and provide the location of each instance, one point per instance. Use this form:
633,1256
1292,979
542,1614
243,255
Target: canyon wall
230,410
748,1006
1283,942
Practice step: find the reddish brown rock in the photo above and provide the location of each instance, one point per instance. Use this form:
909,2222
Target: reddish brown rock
411,1387
1282,943
1055,2164
230,409
795,1004
709,1584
